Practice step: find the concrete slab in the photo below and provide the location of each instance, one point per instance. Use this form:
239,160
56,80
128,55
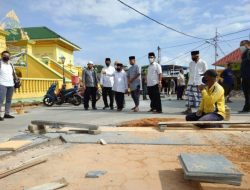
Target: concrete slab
212,165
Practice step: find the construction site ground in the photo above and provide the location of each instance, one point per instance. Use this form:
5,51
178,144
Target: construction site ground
150,164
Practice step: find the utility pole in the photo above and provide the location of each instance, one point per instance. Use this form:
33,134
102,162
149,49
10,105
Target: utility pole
159,54
215,46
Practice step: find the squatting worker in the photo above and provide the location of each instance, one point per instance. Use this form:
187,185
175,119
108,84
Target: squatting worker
6,84
90,85
245,73
212,106
107,83
154,80
134,82
196,67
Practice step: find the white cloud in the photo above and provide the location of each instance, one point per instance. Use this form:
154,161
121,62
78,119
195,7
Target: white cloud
104,12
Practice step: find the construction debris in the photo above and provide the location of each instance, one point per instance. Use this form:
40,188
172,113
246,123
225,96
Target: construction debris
209,168
21,167
102,142
50,186
13,145
95,174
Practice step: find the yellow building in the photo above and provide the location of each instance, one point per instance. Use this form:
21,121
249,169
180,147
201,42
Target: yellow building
41,64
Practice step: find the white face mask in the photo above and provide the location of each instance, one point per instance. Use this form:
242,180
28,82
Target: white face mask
151,60
243,49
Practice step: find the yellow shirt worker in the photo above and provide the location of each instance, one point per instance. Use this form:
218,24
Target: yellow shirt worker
212,106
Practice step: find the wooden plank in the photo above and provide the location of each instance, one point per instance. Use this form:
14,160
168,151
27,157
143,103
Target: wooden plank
13,145
22,166
50,186
57,124
216,186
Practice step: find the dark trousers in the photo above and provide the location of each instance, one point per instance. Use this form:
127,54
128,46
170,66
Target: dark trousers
107,91
6,94
136,96
155,98
119,98
180,90
90,92
205,117
246,90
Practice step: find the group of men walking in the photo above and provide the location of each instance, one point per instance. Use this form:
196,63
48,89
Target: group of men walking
115,83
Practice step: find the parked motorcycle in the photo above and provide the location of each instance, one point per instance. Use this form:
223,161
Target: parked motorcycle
69,96
63,96
50,98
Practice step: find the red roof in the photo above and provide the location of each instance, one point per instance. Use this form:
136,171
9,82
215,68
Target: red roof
234,56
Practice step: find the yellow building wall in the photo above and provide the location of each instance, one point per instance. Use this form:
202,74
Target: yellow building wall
68,54
38,69
2,40
40,51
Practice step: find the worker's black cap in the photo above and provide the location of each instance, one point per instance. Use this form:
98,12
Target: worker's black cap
195,52
131,57
211,73
107,59
150,54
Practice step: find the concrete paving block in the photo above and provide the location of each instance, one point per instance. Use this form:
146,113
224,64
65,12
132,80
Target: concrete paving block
209,165
95,174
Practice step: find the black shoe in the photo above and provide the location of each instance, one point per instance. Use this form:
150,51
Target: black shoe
1,118
7,116
157,112
105,107
111,108
86,108
244,111
94,108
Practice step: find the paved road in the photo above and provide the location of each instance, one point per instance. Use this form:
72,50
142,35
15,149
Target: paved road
171,108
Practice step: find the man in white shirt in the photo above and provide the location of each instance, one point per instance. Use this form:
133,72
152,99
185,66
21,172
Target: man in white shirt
6,84
154,79
120,86
107,83
196,68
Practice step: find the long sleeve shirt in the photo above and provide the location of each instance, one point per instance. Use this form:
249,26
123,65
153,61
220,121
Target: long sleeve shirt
213,100
107,80
181,80
195,71
89,78
120,82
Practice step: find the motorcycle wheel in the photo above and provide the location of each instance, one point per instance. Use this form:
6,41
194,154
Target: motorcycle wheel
77,100
47,101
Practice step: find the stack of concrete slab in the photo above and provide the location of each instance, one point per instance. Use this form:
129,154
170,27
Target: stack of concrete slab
210,168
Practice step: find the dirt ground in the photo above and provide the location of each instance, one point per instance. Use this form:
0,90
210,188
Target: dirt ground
147,122
129,167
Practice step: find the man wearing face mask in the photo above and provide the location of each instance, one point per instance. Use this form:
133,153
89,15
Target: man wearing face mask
154,80
107,83
134,82
6,84
120,86
245,73
196,67
212,106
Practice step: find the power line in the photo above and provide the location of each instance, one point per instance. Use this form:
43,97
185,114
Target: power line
180,45
234,39
235,32
168,27
185,53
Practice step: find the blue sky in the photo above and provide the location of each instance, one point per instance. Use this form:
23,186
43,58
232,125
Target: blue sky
106,28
